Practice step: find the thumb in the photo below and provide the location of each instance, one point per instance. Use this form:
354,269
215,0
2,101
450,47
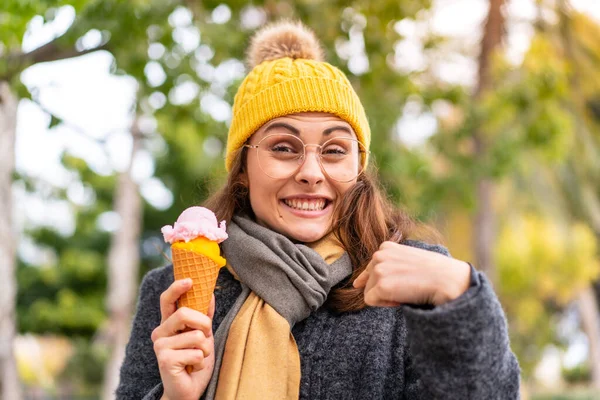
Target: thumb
211,307
362,279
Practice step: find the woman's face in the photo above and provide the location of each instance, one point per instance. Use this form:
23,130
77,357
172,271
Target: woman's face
300,206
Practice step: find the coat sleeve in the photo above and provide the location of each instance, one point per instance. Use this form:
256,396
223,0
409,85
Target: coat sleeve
140,377
461,350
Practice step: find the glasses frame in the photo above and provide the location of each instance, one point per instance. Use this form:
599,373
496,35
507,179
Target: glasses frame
302,158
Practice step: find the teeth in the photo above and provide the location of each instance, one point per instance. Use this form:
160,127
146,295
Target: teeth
306,205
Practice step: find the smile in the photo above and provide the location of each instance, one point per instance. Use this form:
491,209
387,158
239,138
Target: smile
306,204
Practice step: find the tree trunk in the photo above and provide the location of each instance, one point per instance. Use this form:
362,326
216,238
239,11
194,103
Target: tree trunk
484,225
9,380
590,322
123,267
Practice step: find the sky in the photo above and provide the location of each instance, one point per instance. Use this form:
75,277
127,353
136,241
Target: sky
96,106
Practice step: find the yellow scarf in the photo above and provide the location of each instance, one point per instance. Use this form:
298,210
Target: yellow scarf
261,359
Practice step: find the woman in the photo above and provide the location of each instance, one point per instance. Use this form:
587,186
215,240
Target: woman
324,295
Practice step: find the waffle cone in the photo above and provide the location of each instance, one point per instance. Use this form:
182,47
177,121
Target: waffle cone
202,270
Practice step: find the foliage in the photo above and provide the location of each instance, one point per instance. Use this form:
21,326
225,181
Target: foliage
67,296
568,395
543,138
580,374
522,116
528,106
85,371
542,266
16,15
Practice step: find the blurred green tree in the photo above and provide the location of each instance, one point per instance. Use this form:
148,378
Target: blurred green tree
540,274
545,107
540,130
14,19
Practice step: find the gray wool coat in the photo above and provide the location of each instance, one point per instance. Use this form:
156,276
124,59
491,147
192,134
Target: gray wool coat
459,350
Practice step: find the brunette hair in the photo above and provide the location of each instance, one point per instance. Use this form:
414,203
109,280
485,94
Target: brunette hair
364,219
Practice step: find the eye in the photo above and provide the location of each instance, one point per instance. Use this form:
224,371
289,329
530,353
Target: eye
334,150
283,148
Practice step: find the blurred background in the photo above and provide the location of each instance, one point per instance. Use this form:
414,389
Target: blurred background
114,116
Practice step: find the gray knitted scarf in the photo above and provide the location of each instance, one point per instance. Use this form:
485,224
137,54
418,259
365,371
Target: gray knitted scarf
292,278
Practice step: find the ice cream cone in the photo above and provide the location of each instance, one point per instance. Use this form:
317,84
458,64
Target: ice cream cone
202,270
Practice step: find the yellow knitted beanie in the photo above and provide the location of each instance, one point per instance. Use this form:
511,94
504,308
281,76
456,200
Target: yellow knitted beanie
288,77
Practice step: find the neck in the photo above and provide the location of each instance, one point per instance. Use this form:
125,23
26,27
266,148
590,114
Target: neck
328,247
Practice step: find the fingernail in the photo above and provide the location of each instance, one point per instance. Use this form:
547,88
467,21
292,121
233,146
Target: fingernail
187,282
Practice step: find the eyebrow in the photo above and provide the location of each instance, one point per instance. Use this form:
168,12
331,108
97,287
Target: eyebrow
283,125
296,132
337,128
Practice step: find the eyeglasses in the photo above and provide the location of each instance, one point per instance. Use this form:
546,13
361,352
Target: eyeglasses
281,156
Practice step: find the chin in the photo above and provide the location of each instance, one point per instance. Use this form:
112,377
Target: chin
299,231
307,236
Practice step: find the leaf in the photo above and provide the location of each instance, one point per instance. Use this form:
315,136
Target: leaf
54,121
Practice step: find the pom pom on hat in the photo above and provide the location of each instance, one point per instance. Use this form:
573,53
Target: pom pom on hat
283,39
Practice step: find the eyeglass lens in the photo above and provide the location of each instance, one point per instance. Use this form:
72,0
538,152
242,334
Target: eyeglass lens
281,155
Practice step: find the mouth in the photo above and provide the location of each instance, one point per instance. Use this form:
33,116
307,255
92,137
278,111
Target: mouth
307,206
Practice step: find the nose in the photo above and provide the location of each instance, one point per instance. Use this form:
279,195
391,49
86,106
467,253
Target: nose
310,171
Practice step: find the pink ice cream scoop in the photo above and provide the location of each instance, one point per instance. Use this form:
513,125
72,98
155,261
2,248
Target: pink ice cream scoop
194,222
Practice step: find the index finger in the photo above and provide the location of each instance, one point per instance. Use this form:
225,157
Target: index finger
185,319
168,298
